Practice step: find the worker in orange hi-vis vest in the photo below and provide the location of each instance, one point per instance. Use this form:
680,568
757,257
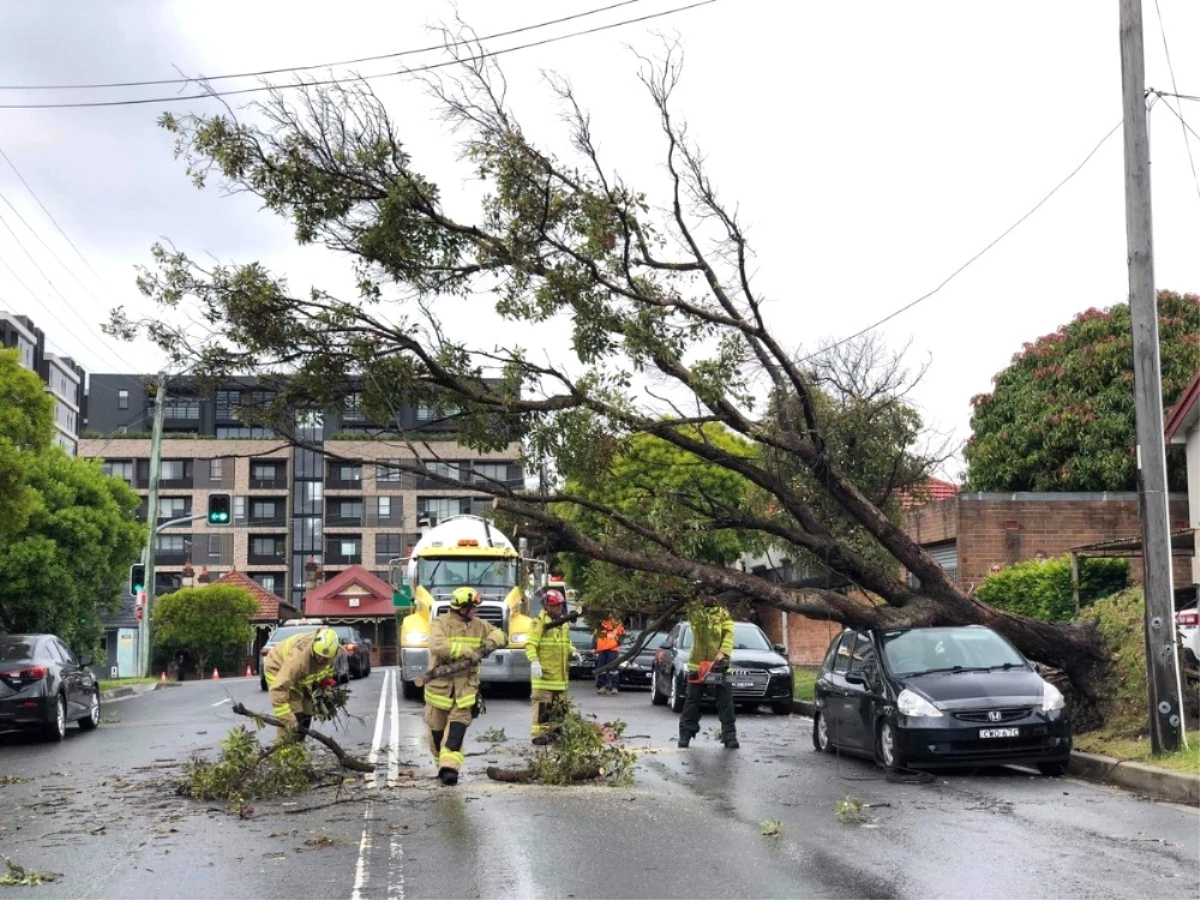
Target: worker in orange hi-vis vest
608,639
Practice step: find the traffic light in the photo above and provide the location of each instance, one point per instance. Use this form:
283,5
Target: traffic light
137,578
219,509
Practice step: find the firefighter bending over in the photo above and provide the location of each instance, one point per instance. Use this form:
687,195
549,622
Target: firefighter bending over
292,668
450,699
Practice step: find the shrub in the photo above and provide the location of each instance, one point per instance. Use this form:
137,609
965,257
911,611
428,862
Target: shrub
1042,590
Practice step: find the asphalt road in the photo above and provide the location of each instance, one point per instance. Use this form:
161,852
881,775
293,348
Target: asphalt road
99,810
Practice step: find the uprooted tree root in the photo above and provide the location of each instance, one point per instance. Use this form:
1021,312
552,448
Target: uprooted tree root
583,751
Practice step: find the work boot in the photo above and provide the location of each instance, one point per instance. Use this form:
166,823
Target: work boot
543,739
684,741
448,777
731,743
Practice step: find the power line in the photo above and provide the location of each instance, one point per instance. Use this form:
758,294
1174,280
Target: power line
345,62
970,261
208,95
54,221
1187,142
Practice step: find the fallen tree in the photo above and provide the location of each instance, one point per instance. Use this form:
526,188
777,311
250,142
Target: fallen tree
345,759
668,335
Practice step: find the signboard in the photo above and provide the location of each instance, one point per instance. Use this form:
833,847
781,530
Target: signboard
402,597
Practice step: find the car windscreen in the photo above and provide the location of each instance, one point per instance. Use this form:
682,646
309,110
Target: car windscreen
282,634
581,638
13,648
947,649
749,637
655,641
344,632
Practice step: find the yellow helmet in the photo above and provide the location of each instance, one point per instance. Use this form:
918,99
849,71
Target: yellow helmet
464,597
326,643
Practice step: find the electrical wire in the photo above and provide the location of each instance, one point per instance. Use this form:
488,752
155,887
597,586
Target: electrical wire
1011,228
1162,28
209,95
307,68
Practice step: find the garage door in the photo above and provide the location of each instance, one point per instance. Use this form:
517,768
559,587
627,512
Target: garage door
945,555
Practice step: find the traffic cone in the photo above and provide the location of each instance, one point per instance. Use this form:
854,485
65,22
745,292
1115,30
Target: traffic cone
249,674
163,677
215,677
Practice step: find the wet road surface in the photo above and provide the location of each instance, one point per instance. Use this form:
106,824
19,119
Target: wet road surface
99,810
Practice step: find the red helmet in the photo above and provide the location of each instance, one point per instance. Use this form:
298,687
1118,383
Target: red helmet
552,598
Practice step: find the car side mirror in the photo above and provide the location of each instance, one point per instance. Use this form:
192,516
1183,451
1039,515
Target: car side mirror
780,649
86,660
856,678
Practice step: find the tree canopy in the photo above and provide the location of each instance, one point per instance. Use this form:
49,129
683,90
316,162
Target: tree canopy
26,427
667,332
210,623
1061,416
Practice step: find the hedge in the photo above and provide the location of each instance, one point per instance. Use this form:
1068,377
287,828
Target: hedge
1042,589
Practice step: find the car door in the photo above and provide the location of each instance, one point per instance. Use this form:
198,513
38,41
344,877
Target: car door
837,691
72,677
664,661
864,688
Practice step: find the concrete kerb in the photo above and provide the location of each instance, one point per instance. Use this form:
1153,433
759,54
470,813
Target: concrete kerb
1150,781
133,690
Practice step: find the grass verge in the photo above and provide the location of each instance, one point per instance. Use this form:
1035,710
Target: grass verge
111,684
803,681
1137,749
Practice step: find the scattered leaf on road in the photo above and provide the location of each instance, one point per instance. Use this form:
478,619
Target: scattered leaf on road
771,827
19,876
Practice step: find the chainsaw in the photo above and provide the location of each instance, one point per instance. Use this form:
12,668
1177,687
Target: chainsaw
711,673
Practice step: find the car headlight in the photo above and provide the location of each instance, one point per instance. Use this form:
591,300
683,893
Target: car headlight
912,704
1052,697
519,638
416,637
779,670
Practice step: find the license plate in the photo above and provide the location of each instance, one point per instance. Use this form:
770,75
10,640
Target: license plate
744,685
999,732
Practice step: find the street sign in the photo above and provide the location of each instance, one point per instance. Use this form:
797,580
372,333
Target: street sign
402,597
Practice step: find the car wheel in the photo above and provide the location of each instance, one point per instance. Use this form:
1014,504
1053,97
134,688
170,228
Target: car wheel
56,730
91,721
820,733
1055,769
410,690
262,683
657,697
367,671
887,750
677,696
782,707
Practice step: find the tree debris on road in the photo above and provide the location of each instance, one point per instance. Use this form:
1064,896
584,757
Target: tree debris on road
344,758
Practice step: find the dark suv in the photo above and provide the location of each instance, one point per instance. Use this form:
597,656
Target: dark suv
357,648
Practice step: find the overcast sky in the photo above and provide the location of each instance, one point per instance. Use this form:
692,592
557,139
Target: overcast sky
872,149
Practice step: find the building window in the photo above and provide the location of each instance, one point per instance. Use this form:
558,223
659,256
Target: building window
214,546
172,469
385,507
227,404
267,546
182,408
119,469
350,547
350,509
444,470
173,507
216,469
266,509
442,507
349,473
490,472
387,546
122,399
387,470
427,413
352,410
267,582
229,431
171,543
239,509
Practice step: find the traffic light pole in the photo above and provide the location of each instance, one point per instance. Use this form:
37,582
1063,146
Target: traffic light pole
152,516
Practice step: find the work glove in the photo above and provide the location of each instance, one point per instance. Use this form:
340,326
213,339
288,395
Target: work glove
470,653
535,669
489,647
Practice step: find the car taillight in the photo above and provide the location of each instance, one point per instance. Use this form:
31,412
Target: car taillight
266,650
1188,618
28,674
351,648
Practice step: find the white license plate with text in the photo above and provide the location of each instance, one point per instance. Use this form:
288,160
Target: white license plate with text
999,732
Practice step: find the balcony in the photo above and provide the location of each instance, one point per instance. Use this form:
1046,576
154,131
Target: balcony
343,484
266,559
277,483
266,521
333,520
171,557
338,558
163,520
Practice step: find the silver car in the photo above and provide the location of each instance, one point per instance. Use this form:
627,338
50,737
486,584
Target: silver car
341,662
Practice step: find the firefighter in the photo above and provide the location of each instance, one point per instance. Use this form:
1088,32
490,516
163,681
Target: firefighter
292,668
712,642
450,699
549,652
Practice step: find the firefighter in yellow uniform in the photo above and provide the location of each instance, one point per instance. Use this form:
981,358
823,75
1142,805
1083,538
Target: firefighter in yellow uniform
293,666
549,654
449,699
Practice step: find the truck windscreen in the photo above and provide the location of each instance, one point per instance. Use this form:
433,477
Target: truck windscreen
476,573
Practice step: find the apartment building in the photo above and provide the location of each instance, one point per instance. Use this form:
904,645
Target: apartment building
63,377
301,516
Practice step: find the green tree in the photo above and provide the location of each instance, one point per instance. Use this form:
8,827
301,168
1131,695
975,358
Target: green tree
26,429
68,565
212,624
666,331
1061,416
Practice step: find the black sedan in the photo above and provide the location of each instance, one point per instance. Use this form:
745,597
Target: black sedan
358,650
758,671
583,655
43,686
635,672
930,697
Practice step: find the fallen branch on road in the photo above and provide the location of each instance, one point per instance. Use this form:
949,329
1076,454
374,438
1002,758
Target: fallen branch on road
347,761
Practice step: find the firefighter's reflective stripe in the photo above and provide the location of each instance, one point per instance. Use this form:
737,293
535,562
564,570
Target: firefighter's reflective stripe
465,702
269,678
552,648
450,759
282,710
459,641
441,701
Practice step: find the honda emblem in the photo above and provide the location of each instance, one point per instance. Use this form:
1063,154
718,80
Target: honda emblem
994,715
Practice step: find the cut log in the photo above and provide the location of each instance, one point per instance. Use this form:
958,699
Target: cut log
347,761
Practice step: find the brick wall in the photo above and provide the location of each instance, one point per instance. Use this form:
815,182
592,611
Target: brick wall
808,639
1007,528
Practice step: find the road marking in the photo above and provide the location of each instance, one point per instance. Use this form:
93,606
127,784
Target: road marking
395,878
226,700
380,715
393,776
361,872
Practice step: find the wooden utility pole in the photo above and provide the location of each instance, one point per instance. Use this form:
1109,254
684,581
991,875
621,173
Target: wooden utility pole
152,521
1161,669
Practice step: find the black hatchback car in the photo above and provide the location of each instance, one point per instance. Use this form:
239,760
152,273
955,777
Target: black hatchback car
43,686
758,671
931,697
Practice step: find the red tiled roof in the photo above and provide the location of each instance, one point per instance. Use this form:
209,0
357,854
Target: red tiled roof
933,490
1183,409
271,608
332,599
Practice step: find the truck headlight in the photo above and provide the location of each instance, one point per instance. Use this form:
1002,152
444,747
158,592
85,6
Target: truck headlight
519,638
416,637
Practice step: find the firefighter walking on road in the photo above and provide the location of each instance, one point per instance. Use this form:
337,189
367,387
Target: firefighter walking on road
712,644
548,649
450,699
291,670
